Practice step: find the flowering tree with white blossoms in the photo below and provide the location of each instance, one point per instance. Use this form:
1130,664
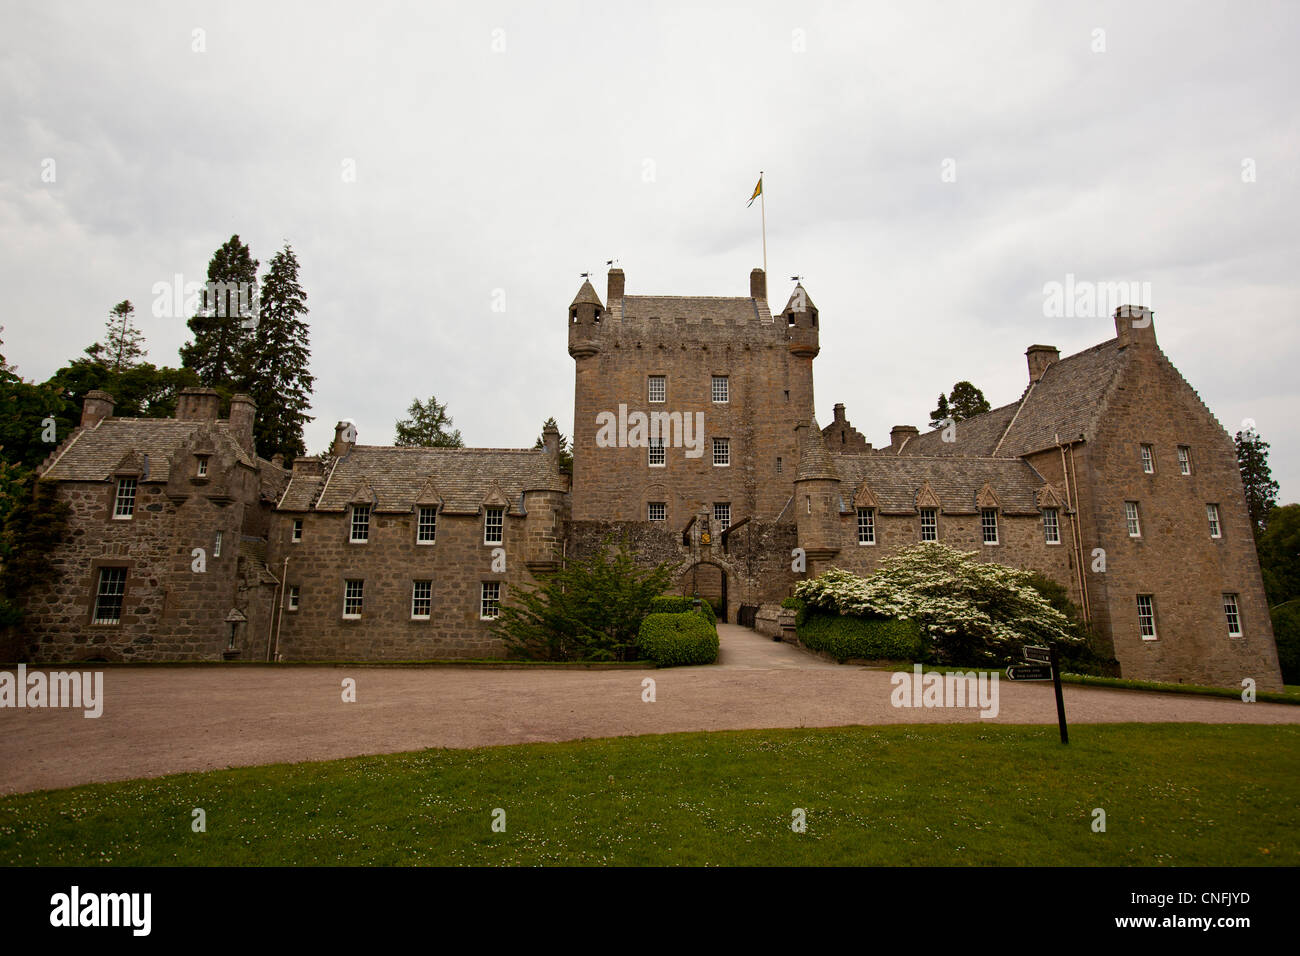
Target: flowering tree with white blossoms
970,610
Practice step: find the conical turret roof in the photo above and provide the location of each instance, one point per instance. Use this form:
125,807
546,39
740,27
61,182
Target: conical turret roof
587,296
799,301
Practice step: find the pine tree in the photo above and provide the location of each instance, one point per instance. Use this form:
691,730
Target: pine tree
221,327
941,414
1256,478
566,453
429,425
276,359
123,348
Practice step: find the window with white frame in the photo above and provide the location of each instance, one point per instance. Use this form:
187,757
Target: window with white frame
1233,615
866,526
353,591
929,524
1051,526
657,511
202,469
360,523
1212,516
658,388
421,600
216,546
292,603
1148,460
722,514
124,500
1132,520
721,390
297,530
1147,616
721,452
989,525
1184,460
658,458
490,600
493,525
426,528
109,596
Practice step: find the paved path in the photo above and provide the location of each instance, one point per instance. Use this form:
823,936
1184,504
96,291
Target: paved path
162,720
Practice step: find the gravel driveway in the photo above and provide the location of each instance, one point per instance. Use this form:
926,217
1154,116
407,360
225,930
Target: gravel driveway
161,720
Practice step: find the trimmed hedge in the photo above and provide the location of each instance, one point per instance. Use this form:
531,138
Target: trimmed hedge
671,640
676,605
845,637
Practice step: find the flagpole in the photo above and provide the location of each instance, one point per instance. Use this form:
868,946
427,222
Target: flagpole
762,196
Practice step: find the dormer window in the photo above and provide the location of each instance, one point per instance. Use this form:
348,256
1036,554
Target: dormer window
360,524
201,470
124,500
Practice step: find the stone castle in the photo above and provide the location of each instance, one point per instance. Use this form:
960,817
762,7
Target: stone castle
694,435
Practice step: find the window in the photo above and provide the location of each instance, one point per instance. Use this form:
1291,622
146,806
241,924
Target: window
1051,526
124,502
361,523
1232,614
216,547
352,594
1148,460
202,470
866,526
721,452
493,525
293,597
1212,515
658,458
1184,460
109,596
787,395
721,390
658,388
490,603
989,525
657,511
1131,516
1147,617
722,514
778,465
297,529
427,525
421,600
929,524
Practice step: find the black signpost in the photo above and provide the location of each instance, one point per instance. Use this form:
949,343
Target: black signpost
1043,666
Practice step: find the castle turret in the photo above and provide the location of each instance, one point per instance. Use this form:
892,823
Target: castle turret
585,315
816,496
800,317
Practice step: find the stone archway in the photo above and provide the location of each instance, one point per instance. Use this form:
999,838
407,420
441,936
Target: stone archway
709,581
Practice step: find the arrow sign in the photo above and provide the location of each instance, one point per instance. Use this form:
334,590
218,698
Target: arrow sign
1041,654
1029,672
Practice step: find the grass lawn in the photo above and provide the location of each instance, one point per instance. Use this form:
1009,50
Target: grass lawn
1185,794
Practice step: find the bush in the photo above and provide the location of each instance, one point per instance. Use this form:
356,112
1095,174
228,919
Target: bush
845,636
1286,631
671,640
793,604
676,605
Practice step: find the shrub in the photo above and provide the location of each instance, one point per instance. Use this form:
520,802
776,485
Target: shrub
1286,631
671,604
671,640
792,604
845,636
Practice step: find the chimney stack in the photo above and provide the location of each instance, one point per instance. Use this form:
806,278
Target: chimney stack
758,285
304,465
345,436
96,406
198,404
899,434
1040,357
839,411
242,414
1135,325
277,460
551,441
615,287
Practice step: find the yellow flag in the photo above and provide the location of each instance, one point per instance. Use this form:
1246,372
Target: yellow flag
758,191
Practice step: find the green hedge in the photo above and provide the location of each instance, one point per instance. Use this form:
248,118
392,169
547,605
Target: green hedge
845,637
676,605
671,640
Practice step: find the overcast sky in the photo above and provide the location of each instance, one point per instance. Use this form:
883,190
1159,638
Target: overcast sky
514,146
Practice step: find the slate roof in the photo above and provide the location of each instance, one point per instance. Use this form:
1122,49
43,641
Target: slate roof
1065,402
708,308
896,480
93,453
814,459
254,550
395,479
